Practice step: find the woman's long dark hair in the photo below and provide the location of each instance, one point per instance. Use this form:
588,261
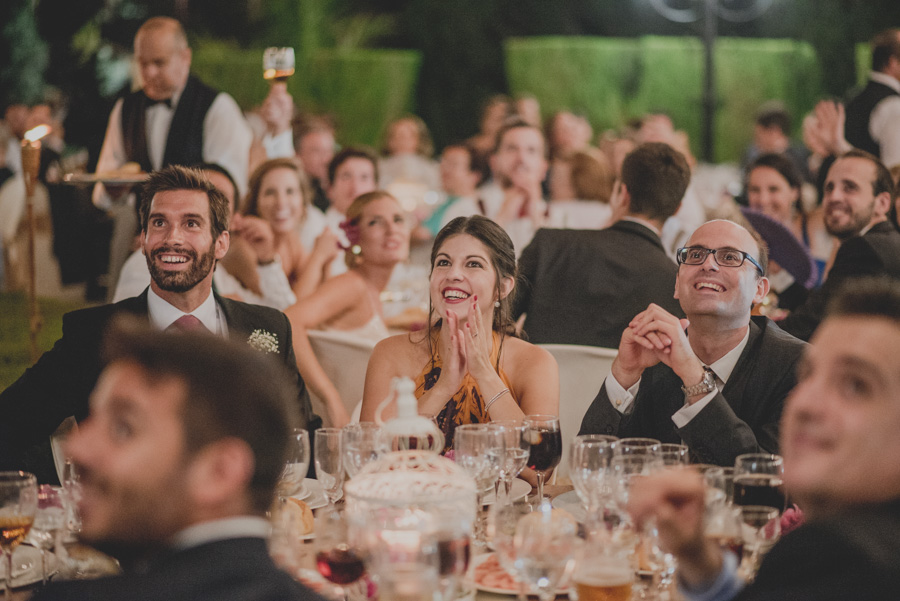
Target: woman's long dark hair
503,259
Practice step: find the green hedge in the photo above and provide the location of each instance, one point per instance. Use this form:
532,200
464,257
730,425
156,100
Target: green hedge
363,89
612,79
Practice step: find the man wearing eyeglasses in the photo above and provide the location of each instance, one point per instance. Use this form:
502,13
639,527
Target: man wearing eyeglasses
715,381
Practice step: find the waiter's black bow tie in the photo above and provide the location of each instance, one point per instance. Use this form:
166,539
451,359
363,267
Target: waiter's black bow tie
152,102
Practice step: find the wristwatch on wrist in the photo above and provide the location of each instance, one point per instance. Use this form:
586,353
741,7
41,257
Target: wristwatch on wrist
705,386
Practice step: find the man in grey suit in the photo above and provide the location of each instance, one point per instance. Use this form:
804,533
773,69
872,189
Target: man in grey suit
584,286
715,381
184,231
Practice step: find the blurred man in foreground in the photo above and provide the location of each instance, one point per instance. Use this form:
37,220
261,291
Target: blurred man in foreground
841,465
186,439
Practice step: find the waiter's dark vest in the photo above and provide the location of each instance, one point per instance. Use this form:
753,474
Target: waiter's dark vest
859,110
184,144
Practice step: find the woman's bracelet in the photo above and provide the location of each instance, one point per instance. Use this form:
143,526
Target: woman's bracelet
494,399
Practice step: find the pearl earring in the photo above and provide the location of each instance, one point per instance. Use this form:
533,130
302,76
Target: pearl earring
497,304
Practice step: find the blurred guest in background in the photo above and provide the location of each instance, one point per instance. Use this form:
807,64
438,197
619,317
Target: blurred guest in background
494,113
859,193
351,302
715,381
528,108
772,135
581,187
315,146
466,365
584,287
460,175
407,154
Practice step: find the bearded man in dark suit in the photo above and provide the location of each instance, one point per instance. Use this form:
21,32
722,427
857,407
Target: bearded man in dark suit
585,286
184,231
179,458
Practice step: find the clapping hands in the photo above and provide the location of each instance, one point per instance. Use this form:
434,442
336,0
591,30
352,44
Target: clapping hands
464,349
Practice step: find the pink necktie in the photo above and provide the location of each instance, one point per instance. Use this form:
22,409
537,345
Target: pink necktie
186,323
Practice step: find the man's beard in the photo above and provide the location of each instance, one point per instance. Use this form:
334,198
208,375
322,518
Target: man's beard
181,281
858,221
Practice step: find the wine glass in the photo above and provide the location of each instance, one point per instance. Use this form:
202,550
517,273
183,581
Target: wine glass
337,559
758,480
49,521
762,528
297,464
674,454
516,454
329,459
480,450
589,458
545,544
545,446
363,443
18,504
502,530
278,64
719,485
638,446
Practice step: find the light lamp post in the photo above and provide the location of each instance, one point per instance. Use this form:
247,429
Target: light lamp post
735,11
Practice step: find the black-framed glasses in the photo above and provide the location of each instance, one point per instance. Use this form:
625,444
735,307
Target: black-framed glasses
726,257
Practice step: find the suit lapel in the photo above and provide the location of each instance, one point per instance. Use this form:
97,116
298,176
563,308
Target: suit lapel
737,384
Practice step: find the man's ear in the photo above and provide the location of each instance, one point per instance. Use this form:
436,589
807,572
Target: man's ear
762,289
143,240
221,472
882,204
222,244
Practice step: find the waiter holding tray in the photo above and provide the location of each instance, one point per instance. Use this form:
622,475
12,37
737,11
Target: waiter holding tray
173,119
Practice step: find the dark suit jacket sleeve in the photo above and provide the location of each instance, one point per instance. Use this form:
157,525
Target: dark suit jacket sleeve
602,418
528,264
855,258
310,420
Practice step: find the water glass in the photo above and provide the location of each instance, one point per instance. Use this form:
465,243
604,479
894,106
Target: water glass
297,464
589,459
329,459
545,545
49,522
363,443
516,454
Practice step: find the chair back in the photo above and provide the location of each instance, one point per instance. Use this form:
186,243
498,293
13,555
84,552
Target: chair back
344,359
582,370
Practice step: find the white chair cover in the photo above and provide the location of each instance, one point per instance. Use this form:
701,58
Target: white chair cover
582,370
344,359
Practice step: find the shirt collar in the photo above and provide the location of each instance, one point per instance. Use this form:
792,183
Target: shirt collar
245,526
884,78
162,314
643,222
725,365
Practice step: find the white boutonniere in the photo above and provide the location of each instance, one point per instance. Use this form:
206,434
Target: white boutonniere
264,341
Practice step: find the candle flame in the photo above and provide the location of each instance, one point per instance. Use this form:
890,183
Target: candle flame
35,134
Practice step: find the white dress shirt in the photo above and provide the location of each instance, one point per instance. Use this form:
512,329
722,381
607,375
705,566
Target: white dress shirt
162,314
226,140
245,526
622,399
884,122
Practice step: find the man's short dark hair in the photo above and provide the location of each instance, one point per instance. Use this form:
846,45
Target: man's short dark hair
774,116
351,152
883,180
516,122
176,177
885,44
232,391
656,176
867,297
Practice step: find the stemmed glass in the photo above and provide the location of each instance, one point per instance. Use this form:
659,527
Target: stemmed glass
638,446
674,454
297,464
758,480
589,459
516,454
278,64
18,504
337,559
363,443
762,528
329,459
545,544
480,450
503,520
49,521
545,446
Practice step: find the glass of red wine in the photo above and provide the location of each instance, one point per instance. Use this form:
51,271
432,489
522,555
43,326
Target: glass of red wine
545,446
18,504
337,559
758,480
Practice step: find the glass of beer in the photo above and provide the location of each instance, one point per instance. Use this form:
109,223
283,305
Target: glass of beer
278,64
758,480
603,577
18,504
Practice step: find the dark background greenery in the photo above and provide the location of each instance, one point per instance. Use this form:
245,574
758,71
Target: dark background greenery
461,46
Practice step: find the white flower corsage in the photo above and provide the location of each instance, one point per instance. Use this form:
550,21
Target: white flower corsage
264,341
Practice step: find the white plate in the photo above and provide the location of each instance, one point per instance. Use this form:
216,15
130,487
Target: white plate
518,490
26,554
315,494
570,502
470,579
